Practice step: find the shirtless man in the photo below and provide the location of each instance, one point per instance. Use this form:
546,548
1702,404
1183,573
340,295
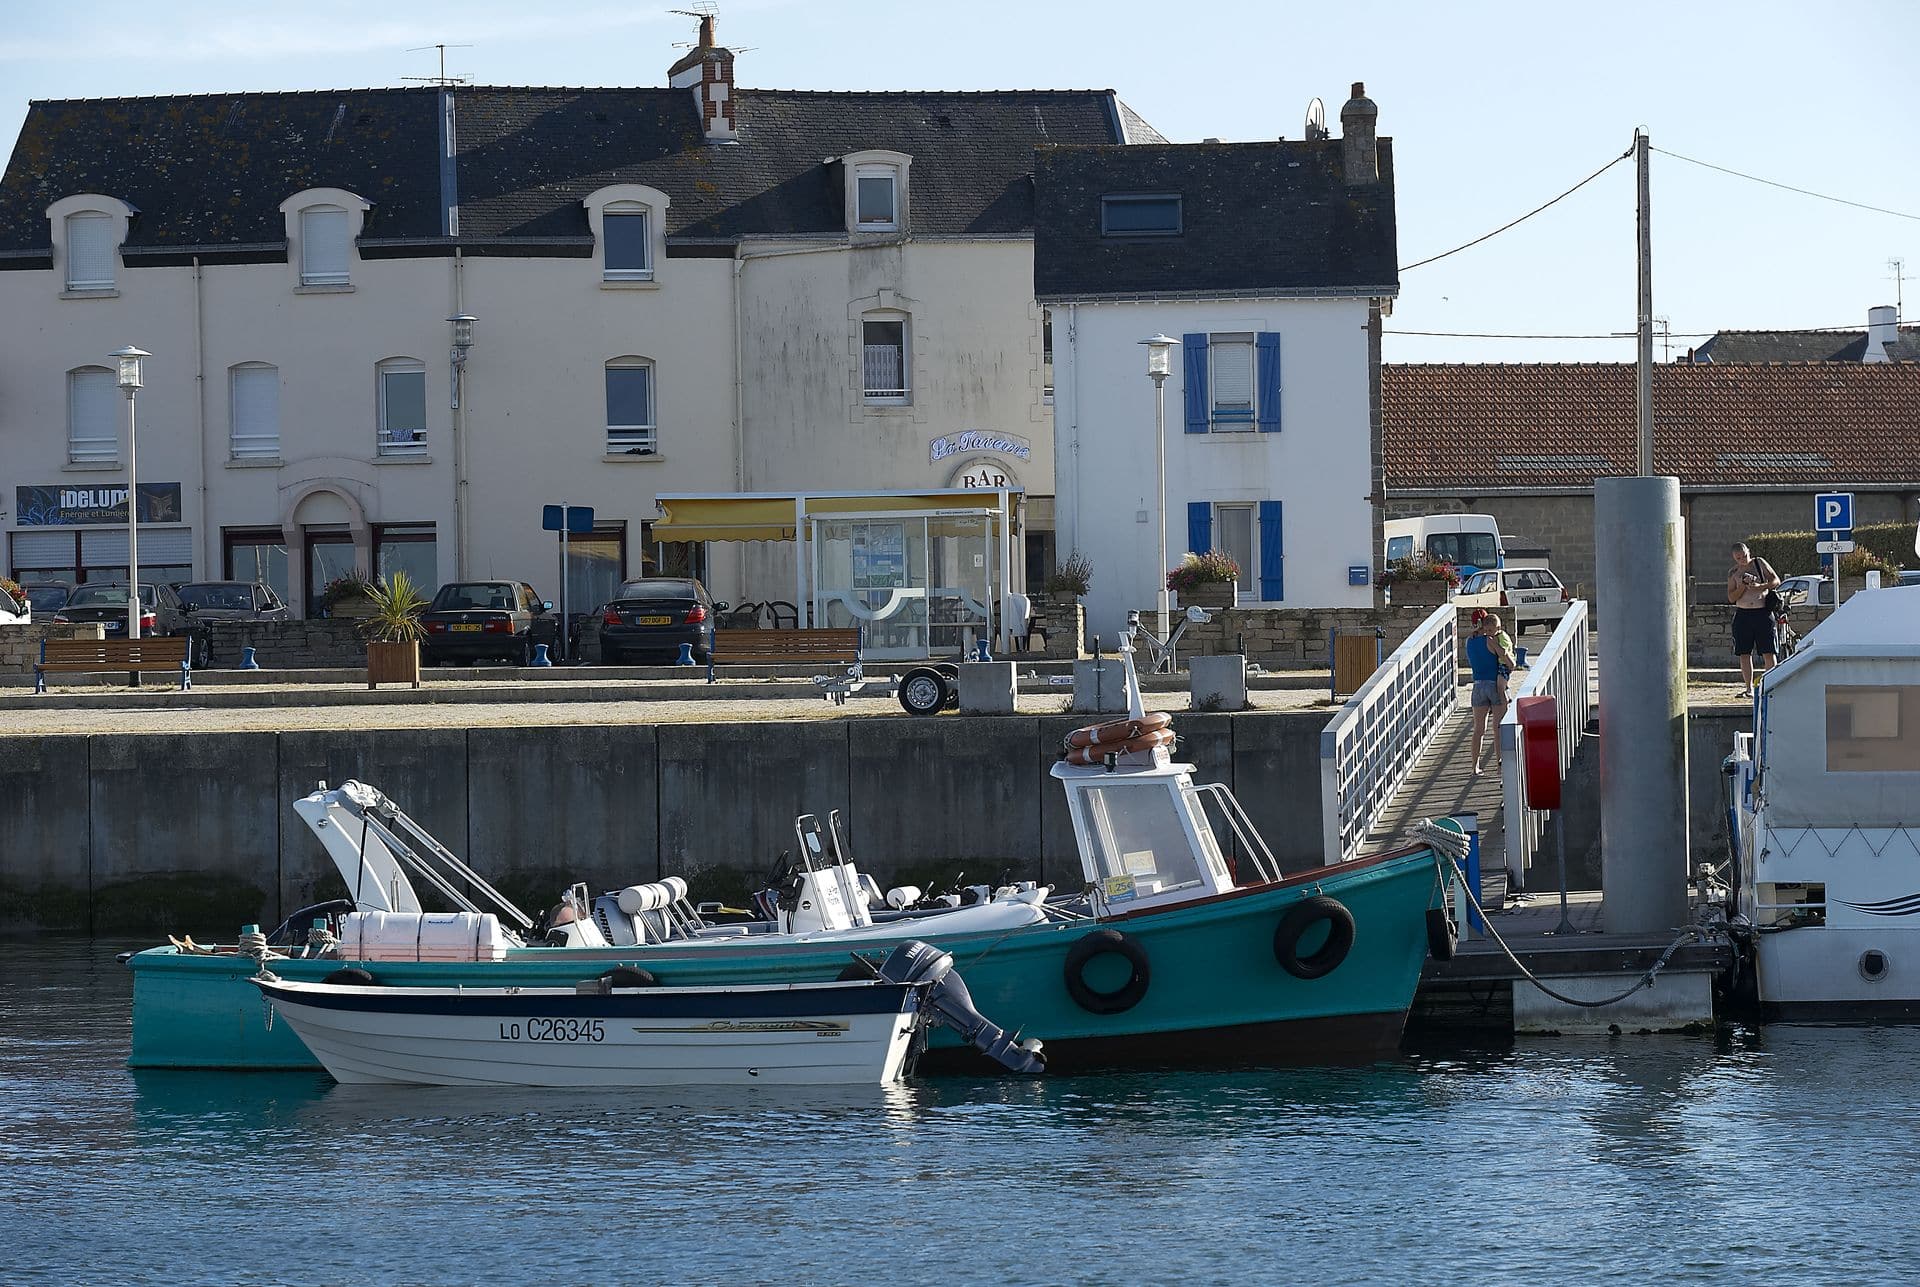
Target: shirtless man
1747,586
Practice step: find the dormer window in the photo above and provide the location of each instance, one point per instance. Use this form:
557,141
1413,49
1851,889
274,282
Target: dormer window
626,243
629,226
1145,214
89,251
877,196
876,191
323,246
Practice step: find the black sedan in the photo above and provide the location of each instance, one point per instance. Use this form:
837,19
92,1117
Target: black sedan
160,613
649,620
472,620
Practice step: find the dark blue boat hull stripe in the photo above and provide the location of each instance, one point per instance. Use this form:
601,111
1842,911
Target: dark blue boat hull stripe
1906,905
854,998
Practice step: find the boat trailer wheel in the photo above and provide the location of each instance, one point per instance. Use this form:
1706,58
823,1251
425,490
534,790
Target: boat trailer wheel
1121,999
1301,917
924,691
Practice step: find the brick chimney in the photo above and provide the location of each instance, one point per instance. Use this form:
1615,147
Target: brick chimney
1883,328
1359,147
707,69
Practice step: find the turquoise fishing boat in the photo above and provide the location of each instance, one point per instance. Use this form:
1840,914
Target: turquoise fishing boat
1180,949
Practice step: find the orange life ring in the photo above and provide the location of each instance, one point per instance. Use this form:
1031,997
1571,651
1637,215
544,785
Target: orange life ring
1120,730
1097,754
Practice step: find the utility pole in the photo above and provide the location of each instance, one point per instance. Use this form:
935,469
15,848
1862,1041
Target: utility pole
1644,399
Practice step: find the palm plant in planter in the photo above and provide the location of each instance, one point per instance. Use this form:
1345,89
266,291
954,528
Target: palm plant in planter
393,631
1210,580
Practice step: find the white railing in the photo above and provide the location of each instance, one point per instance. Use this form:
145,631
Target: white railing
1370,747
1561,671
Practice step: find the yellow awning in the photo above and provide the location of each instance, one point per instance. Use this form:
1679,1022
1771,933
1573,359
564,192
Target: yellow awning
771,518
724,518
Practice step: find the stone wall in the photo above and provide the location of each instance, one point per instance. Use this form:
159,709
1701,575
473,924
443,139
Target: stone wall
20,645
1296,638
288,645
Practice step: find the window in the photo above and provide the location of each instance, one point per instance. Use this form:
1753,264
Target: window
630,427
1232,383
89,251
1137,838
1399,547
254,402
258,555
323,246
1873,729
330,555
626,251
1141,215
403,408
883,359
1463,549
93,430
409,548
1235,524
1046,354
877,198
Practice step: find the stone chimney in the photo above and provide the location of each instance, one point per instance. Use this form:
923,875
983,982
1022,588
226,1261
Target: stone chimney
1359,147
707,69
1883,328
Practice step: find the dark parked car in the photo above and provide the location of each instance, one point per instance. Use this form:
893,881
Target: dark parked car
232,601
649,620
48,597
160,612
471,620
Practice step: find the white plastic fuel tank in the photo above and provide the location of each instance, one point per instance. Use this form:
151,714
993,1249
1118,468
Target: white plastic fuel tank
423,936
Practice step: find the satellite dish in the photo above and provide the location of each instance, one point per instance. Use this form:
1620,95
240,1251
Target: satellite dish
1316,121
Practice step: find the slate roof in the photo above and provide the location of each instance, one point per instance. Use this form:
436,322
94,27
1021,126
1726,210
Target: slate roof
1802,346
1530,426
1257,218
207,170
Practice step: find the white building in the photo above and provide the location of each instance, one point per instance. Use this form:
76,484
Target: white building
1272,264
694,288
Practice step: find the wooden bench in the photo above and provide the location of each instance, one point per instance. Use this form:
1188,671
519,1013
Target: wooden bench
783,647
165,654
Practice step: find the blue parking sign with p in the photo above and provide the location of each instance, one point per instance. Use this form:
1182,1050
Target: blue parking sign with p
1833,511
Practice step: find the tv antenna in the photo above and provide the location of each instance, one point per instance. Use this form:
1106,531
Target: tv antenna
442,78
1899,284
1316,128
1666,337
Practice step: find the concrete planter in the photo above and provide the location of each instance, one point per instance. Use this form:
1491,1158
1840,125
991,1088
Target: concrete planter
1420,593
393,663
351,609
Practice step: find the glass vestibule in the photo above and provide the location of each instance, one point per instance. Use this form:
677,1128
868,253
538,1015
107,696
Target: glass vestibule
918,585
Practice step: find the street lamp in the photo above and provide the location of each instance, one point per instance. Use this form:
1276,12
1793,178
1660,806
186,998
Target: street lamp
462,324
1159,367
128,359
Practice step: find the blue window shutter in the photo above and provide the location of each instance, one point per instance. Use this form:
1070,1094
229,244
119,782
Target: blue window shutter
1193,349
1273,580
1199,527
1267,379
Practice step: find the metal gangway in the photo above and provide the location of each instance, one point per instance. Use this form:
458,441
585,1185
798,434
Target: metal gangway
1563,671
1370,749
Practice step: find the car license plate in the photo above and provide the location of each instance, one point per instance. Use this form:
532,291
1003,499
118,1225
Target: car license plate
464,626
653,621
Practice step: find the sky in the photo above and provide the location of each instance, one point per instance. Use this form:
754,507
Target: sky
1494,109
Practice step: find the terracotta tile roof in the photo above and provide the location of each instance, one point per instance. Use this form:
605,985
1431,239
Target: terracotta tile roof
1488,426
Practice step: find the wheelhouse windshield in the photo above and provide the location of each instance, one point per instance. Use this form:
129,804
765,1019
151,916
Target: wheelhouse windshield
1138,842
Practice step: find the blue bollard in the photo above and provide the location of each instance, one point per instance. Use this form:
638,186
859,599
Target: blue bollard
980,652
246,660
686,655
540,657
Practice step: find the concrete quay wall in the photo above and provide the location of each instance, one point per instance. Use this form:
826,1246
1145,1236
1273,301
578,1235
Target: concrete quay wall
195,833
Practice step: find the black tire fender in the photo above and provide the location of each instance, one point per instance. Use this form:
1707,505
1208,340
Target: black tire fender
352,976
1293,926
630,976
1099,943
1443,936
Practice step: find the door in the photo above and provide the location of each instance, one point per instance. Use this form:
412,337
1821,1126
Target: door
873,574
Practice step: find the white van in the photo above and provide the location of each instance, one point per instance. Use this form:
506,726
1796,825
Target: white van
1468,541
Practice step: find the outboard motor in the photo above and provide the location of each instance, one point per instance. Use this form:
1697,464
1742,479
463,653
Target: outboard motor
951,1004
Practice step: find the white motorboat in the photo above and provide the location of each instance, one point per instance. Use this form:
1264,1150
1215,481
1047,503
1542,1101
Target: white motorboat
1826,817
619,1031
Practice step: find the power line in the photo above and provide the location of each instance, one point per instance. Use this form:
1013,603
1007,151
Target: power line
1420,263
1787,187
1618,335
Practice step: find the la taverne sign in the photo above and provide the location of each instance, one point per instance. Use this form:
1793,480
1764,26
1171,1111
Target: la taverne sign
970,441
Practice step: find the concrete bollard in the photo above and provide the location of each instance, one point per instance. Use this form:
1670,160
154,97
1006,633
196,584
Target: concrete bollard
246,659
986,688
1218,683
1099,687
540,657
